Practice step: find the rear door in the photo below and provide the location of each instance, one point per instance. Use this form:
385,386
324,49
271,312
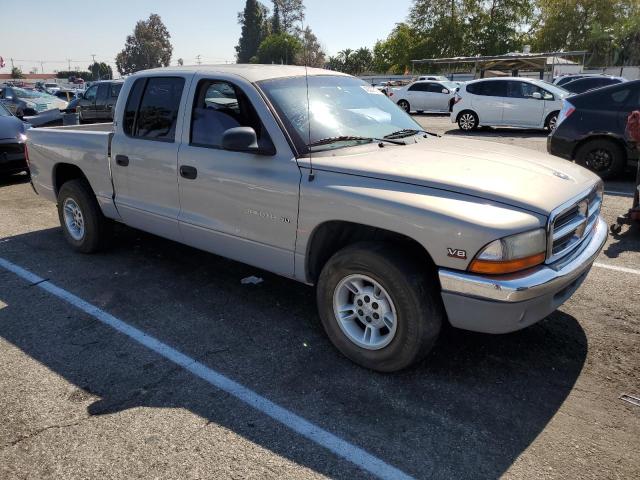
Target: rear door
521,109
416,95
114,92
144,153
489,101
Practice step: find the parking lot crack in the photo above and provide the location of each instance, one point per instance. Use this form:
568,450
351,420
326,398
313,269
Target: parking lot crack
38,432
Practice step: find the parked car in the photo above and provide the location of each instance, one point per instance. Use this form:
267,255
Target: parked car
591,129
52,88
97,102
582,85
317,176
507,102
22,102
12,138
425,96
66,95
564,79
437,78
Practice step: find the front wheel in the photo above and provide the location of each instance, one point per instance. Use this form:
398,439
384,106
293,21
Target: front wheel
378,307
84,226
468,121
552,121
404,105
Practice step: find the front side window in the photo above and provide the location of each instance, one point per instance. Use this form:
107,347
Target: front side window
218,107
91,94
115,89
152,108
337,106
103,91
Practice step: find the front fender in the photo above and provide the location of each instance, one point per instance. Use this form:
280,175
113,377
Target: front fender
443,222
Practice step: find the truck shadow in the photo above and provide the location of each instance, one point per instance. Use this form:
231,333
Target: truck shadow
468,411
17,179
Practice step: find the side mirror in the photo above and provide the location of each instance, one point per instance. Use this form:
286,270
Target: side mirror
445,91
240,139
536,95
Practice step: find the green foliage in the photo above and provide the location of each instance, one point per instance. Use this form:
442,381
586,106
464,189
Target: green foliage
100,71
312,54
255,29
148,47
289,15
17,73
280,48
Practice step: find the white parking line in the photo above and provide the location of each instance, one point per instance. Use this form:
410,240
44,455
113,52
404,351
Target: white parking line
316,434
617,269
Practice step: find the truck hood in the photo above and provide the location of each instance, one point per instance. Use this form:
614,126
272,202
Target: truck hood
515,176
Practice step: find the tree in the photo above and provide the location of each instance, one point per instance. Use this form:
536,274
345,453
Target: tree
276,20
100,71
394,54
313,54
17,73
148,47
280,48
180,62
33,70
254,30
290,14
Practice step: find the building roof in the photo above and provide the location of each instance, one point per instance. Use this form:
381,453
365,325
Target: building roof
250,72
510,61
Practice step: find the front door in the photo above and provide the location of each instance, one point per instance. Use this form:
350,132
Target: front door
521,107
87,103
144,154
102,97
242,205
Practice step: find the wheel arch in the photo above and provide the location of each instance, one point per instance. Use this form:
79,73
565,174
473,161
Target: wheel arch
331,236
467,110
601,136
64,172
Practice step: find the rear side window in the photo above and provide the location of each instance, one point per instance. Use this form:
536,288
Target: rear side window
115,89
606,100
103,91
154,115
495,89
419,87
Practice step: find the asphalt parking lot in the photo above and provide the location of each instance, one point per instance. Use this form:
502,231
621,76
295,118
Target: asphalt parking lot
82,400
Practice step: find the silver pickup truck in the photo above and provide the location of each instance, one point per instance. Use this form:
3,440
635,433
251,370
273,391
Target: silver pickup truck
320,178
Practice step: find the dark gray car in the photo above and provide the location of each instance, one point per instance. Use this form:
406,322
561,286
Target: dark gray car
12,137
97,102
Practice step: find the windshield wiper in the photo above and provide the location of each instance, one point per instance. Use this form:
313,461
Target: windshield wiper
347,138
407,132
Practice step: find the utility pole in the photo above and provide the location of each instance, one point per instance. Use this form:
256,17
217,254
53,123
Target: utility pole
69,62
93,56
12,64
198,59
41,66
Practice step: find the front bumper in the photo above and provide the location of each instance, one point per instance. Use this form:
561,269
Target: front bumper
12,157
507,303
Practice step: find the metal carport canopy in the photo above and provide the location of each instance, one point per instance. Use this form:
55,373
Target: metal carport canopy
510,61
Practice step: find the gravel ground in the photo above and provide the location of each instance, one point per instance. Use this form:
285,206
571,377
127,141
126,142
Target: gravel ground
82,401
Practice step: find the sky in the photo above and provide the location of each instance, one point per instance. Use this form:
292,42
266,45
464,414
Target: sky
55,33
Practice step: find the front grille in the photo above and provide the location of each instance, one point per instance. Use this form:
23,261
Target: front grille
41,107
572,224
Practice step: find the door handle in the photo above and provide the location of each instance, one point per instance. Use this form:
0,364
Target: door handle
122,160
190,173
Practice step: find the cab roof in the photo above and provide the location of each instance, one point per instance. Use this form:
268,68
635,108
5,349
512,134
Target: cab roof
250,72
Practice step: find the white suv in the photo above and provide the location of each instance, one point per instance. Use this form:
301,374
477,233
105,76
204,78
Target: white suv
507,102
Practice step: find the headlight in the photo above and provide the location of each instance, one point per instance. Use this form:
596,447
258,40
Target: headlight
512,254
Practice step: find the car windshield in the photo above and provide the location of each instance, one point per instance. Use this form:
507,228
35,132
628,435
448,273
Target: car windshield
339,107
4,112
555,89
22,93
451,85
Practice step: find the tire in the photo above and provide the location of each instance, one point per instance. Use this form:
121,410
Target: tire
550,122
414,303
602,156
404,105
420,112
468,121
76,198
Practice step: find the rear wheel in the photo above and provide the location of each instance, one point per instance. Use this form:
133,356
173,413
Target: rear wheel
552,121
403,104
468,121
378,307
602,156
84,226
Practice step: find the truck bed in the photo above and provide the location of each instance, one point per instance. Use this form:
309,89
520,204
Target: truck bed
85,146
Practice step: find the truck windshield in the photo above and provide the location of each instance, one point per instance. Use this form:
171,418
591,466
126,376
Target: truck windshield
340,107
